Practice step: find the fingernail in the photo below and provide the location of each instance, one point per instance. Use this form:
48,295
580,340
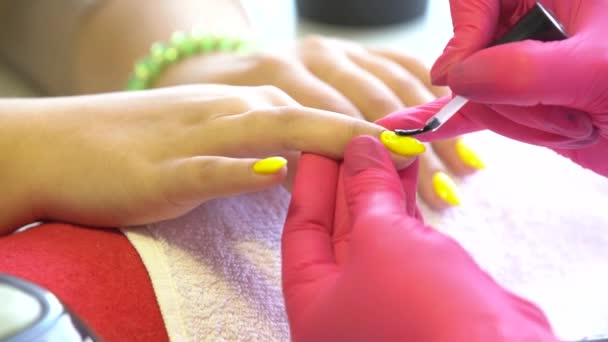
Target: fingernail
468,156
269,166
405,146
445,188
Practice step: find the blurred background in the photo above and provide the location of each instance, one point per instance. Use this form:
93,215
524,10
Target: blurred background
421,31
423,34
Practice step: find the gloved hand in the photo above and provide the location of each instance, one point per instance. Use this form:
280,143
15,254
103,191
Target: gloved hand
359,265
553,94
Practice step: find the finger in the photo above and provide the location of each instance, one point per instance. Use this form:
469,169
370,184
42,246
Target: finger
194,180
306,243
490,119
409,184
303,129
436,187
372,97
569,123
371,183
457,156
416,117
293,159
415,67
310,91
410,90
475,23
528,73
477,117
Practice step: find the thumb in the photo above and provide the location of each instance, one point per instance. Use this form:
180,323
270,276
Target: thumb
525,74
371,183
416,117
194,180
306,247
475,24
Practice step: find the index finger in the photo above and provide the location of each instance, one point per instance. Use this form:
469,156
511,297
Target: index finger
292,128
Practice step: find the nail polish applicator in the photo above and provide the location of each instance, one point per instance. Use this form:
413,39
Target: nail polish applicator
537,24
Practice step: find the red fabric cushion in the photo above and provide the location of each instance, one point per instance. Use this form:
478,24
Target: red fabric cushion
95,272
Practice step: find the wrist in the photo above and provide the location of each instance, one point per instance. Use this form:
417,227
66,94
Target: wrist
111,42
181,58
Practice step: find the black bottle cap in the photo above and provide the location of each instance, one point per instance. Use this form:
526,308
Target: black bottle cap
538,24
361,13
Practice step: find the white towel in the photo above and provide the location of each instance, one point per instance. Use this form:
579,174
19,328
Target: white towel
534,220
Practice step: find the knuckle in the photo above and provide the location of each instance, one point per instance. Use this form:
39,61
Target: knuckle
316,42
270,91
382,104
275,95
273,62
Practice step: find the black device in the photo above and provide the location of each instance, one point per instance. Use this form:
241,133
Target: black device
29,313
361,12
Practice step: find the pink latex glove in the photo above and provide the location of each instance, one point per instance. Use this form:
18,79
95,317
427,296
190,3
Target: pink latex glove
553,94
372,271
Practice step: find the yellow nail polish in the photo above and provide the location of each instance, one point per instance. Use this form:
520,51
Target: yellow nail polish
468,156
405,146
445,188
269,166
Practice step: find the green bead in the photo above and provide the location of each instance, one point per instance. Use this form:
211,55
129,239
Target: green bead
171,55
136,84
226,44
207,43
148,68
142,70
184,44
157,53
181,45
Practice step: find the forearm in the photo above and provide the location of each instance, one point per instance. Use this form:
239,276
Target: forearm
16,130
120,32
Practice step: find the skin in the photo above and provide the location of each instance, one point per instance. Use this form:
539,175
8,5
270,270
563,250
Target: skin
58,166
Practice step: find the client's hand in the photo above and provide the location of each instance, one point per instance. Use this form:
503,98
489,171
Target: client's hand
132,158
359,265
347,78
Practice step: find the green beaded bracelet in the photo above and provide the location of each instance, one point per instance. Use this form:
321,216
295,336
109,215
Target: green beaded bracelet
181,46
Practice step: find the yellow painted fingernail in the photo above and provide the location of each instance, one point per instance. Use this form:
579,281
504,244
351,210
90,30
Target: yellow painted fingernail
269,166
445,188
468,156
405,146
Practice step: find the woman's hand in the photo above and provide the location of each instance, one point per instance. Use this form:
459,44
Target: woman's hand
359,265
132,158
347,78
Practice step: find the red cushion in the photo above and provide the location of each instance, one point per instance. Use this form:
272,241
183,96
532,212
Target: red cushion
96,272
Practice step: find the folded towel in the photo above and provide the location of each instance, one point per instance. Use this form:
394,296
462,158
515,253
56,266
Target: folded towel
216,271
534,220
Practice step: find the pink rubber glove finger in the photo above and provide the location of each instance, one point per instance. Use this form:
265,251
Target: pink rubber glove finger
306,244
552,127
363,152
366,160
416,117
530,72
476,23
